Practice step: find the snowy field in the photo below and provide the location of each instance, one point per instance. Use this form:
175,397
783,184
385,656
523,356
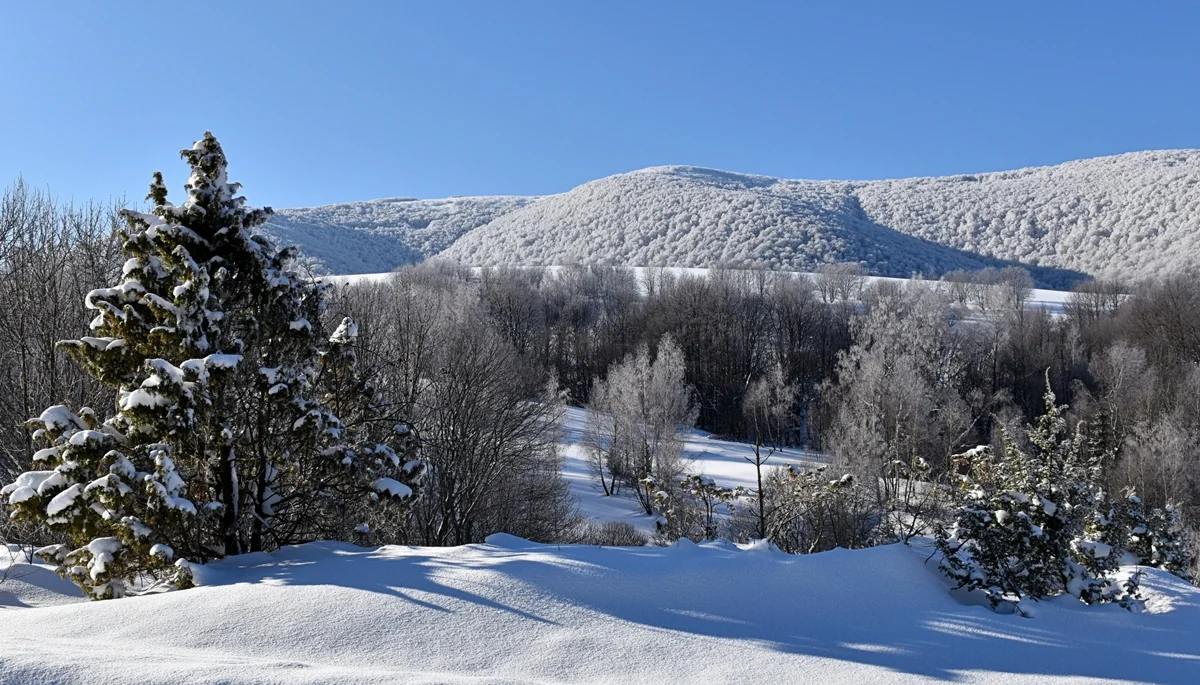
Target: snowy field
511,611
515,612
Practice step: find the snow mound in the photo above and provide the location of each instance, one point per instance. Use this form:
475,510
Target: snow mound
24,585
517,612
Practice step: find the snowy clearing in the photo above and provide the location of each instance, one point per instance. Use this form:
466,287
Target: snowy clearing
515,612
722,460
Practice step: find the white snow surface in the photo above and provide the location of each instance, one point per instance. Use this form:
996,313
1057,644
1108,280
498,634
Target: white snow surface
511,611
25,585
1126,215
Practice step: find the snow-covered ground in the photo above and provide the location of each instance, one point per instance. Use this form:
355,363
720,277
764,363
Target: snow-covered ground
515,612
722,460
24,585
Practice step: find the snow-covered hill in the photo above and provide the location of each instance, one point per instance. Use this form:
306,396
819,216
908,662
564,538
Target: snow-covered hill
1126,215
516,612
1130,215
379,235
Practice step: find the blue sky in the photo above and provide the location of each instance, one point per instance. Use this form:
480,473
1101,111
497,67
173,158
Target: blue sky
335,101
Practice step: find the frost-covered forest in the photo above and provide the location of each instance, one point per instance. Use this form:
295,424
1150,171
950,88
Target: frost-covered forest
185,402
364,237
1118,217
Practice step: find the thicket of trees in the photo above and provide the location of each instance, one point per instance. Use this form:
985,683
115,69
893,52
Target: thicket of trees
894,381
232,419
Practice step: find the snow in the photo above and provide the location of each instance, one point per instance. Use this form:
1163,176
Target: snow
1125,215
103,551
1098,550
510,611
392,487
64,500
222,361
32,483
28,585
346,331
59,417
725,462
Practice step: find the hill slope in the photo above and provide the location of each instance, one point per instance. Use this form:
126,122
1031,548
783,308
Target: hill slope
379,235
1124,216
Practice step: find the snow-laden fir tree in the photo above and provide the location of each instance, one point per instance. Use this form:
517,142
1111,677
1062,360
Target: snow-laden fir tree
1153,537
1030,526
240,424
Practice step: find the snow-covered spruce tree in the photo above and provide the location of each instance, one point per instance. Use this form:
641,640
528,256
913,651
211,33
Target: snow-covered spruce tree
1030,525
226,435
1151,537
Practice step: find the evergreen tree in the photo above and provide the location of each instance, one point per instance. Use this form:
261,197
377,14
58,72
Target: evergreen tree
1030,525
1154,537
239,424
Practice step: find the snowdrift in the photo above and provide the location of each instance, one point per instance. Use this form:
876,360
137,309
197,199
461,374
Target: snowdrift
31,585
1125,215
515,612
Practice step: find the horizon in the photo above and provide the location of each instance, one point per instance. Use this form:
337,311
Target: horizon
316,106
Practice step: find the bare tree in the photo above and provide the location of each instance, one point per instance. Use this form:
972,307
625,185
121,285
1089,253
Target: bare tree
51,255
488,419
768,407
843,281
648,403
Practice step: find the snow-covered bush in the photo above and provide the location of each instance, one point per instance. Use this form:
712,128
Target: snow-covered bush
690,508
609,534
1153,537
810,512
1034,523
240,425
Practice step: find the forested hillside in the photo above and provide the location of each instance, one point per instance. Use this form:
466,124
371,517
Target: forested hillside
379,235
1119,216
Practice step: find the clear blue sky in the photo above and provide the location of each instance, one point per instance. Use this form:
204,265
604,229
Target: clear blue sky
341,100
